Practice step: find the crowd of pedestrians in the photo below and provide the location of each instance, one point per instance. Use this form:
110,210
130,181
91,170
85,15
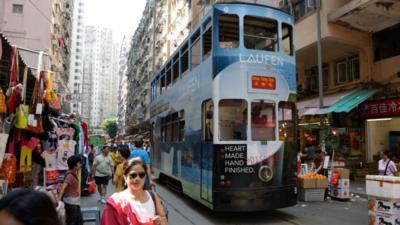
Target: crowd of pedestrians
129,169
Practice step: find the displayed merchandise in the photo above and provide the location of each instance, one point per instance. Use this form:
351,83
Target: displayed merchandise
312,187
66,149
50,157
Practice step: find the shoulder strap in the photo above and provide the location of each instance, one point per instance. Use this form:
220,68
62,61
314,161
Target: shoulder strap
153,197
387,165
67,173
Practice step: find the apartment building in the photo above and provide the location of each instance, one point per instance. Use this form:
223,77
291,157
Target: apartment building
360,58
60,48
122,84
76,63
99,78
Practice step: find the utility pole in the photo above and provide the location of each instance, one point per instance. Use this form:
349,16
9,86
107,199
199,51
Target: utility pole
320,78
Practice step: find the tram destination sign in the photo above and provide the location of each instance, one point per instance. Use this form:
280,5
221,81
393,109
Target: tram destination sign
232,159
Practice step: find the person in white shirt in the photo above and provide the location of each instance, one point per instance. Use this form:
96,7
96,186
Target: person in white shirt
102,170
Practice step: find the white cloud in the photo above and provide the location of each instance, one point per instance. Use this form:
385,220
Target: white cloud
122,16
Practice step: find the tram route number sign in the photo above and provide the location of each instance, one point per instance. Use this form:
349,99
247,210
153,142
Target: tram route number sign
232,159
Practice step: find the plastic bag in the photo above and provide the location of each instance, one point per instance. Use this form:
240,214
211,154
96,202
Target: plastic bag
91,187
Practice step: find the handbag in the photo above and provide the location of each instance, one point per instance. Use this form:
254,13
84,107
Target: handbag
50,95
34,119
91,186
3,106
22,116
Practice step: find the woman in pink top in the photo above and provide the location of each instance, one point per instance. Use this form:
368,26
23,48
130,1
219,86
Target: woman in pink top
134,205
386,166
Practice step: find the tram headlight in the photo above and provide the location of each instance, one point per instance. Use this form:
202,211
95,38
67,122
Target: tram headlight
265,173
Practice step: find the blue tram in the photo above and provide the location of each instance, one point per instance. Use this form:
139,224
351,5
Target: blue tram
223,111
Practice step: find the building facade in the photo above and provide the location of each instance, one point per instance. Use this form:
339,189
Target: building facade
75,82
122,84
360,55
27,25
60,48
99,77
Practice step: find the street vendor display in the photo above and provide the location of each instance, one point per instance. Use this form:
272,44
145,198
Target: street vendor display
312,187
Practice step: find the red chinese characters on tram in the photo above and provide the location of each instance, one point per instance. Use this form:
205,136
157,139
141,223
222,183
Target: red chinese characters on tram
261,82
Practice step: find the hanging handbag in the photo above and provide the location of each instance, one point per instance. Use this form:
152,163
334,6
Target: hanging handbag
35,119
3,106
22,116
50,95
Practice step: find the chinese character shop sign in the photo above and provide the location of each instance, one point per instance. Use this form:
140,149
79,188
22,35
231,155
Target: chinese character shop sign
388,107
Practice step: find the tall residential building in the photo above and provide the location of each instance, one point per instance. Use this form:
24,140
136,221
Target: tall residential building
27,24
99,77
164,25
75,82
122,84
60,49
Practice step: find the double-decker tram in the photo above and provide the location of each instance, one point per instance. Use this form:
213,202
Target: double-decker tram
223,111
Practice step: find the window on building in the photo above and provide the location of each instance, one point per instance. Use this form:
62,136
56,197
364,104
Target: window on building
184,59
263,121
195,50
18,8
303,8
162,84
287,39
232,119
207,39
312,77
260,33
228,29
386,43
348,70
168,75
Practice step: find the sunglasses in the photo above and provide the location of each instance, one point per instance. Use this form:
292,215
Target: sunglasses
134,175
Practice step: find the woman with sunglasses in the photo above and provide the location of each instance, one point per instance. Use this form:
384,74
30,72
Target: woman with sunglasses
134,205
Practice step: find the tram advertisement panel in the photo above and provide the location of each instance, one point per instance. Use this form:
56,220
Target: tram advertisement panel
232,159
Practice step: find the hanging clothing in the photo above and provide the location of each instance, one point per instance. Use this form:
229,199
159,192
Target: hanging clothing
61,132
50,157
76,137
66,149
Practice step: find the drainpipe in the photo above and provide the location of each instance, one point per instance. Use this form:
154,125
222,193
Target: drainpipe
320,78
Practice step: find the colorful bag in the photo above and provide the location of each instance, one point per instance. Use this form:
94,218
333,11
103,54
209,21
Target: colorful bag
8,170
50,95
91,187
34,119
3,106
22,116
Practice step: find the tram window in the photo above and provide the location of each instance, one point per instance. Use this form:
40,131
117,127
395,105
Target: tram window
162,84
287,39
228,26
207,39
169,129
158,87
175,71
232,119
286,121
182,130
263,121
168,77
195,50
184,59
260,33
175,127
207,120
163,125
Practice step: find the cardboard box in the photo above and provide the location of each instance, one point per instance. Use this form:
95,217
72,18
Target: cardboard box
322,183
343,173
387,206
344,183
342,193
307,183
377,218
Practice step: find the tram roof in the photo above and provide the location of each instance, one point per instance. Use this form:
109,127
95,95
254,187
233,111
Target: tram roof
198,25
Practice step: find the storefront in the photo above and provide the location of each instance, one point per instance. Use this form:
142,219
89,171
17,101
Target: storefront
382,119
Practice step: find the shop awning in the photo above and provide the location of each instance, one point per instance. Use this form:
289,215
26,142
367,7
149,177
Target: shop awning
311,106
350,101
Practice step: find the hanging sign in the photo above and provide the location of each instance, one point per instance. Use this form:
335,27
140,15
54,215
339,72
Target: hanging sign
380,108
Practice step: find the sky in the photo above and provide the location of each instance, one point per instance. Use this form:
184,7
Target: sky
121,16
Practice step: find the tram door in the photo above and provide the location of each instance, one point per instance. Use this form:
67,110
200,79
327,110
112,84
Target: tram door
206,150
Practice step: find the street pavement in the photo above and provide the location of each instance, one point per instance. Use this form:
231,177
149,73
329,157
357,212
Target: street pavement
184,211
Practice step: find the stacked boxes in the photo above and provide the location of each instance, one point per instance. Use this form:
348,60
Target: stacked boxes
383,199
312,187
340,187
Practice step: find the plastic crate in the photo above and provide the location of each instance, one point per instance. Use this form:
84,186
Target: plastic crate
312,195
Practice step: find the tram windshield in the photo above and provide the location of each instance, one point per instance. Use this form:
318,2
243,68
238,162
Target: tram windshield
262,121
233,119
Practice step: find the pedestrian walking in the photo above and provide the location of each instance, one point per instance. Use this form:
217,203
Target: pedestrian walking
38,164
386,166
119,171
27,207
102,170
69,193
134,205
138,151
